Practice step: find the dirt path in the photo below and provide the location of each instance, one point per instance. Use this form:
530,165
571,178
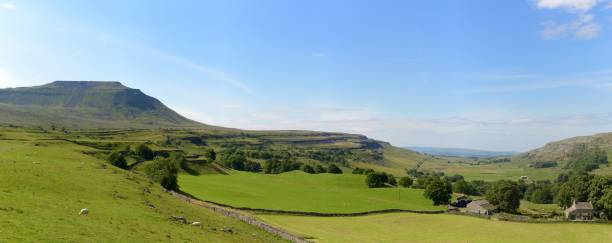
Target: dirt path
242,217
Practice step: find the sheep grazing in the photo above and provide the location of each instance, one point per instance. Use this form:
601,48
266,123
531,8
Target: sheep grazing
196,223
84,211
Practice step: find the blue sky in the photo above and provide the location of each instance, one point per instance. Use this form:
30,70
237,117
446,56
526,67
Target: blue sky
501,75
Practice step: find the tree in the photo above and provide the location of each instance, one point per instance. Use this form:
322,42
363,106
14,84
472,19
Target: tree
320,169
505,195
597,186
439,191
252,166
376,179
235,160
334,169
464,187
308,169
391,180
164,171
211,155
606,202
405,181
117,159
576,188
144,152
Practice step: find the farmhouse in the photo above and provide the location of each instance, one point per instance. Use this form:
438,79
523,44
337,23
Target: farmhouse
481,207
580,211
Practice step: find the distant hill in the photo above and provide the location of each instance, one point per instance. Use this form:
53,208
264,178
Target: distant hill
459,152
559,150
86,104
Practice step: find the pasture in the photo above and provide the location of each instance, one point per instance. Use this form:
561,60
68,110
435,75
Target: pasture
410,227
298,191
44,183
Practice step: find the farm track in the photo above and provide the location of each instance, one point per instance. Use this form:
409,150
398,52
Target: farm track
242,217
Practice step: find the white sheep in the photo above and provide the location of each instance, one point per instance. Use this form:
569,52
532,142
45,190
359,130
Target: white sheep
84,211
196,223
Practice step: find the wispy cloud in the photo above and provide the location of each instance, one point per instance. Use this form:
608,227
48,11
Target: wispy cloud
208,71
509,82
8,6
583,26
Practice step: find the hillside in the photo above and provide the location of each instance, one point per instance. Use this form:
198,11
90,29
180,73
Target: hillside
461,152
45,182
86,104
559,150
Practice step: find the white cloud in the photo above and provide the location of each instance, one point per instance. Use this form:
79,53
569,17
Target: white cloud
571,5
583,26
8,6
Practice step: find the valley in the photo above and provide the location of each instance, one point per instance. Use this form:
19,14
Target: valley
51,169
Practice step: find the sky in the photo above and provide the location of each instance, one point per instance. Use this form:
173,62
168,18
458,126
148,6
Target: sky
495,75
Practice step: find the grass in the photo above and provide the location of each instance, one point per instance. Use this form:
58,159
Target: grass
409,227
298,191
44,184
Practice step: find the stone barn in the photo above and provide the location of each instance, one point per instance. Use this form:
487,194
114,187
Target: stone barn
481,207
580,211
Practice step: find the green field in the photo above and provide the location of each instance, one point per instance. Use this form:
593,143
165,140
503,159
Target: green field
298,191
45,183
409,227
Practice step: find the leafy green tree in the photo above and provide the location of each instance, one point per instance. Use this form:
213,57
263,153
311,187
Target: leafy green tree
164,171
391,180
211,155
376,180
464,187
144,152
308,169
252,166
117,159
597,186
505,195
438,190
235,160
320,169
405,181
606,202
334,169
576,188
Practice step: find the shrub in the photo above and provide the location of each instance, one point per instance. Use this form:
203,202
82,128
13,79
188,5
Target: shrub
358,171
405,181
334,169
275,166
144,152
211,155
164,171
117,159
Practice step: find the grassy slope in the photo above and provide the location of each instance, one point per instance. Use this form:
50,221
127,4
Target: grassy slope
44,184
408,227
299,191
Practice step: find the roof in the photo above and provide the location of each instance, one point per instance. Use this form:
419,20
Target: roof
582,205
483,204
